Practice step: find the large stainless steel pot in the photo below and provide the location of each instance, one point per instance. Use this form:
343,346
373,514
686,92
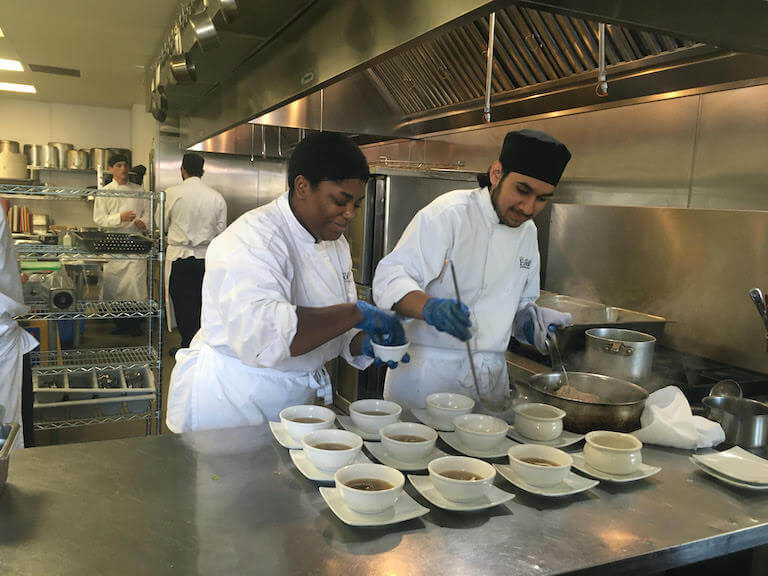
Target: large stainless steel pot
13,165
590,401
49,156
32,153
11,146
625,354
77,159
63,148
99,158
744,421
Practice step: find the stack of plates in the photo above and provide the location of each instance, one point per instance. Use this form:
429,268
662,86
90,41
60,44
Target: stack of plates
736,467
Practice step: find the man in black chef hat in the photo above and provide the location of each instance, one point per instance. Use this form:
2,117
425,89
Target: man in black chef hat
489,235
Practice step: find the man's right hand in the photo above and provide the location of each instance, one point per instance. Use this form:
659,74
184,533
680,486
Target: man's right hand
446,315
127,216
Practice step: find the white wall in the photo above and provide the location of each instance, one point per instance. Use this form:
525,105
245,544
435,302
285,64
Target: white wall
84,126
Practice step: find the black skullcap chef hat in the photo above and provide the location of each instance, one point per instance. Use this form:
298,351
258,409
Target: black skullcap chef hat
534,154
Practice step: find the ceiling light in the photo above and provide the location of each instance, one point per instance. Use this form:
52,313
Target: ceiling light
11,65
13,87
1,33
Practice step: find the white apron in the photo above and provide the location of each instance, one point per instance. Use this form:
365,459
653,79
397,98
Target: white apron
14,343
234,394
171,254
434,369
123,279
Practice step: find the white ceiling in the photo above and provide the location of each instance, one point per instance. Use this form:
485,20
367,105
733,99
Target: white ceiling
109,41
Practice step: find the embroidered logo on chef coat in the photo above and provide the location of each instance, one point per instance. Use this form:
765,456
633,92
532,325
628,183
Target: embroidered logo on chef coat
525,263
346,275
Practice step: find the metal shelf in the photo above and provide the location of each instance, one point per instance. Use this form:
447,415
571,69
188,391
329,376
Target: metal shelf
56,250
68,193
68,170
75,423
93,310
71,361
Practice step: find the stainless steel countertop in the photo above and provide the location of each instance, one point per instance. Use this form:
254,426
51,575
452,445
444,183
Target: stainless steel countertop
231,502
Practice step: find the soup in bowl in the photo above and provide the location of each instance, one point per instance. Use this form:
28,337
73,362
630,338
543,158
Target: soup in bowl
540,465
461,479
445,406
408,441
331,449
372,415
369,488
480,431
306,418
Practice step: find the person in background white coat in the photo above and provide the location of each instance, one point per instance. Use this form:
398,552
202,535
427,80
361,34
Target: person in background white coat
14,340
194,215
490,236
123,279
279,300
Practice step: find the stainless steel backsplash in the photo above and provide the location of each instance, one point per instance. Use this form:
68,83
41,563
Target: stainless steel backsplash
245,184
694,267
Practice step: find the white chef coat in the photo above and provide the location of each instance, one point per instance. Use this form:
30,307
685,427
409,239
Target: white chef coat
194,215
239,370
497,268
123,279
14,340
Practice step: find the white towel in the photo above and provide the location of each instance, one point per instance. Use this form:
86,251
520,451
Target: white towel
667,420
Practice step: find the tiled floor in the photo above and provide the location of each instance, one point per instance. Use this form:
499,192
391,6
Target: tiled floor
97,336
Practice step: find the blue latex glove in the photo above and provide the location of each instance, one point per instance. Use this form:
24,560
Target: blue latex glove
446,315
532,323
367,349
383,325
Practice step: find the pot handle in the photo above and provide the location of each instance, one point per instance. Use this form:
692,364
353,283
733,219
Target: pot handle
619,348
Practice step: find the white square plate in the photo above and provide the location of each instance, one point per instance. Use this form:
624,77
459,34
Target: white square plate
738,464
305,466
565,439
406,508
425,418
725,479
452,439
573,483
346,422
284,439
493,496
644,471
378,451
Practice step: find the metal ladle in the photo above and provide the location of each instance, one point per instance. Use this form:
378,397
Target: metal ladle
756,295
491,405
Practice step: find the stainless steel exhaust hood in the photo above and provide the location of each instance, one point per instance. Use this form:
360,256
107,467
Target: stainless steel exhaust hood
405,68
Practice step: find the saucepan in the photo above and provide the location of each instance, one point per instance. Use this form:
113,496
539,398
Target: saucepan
590,401
744,421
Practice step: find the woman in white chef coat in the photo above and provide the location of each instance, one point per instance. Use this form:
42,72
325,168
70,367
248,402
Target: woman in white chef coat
490,236
123,279
279,300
